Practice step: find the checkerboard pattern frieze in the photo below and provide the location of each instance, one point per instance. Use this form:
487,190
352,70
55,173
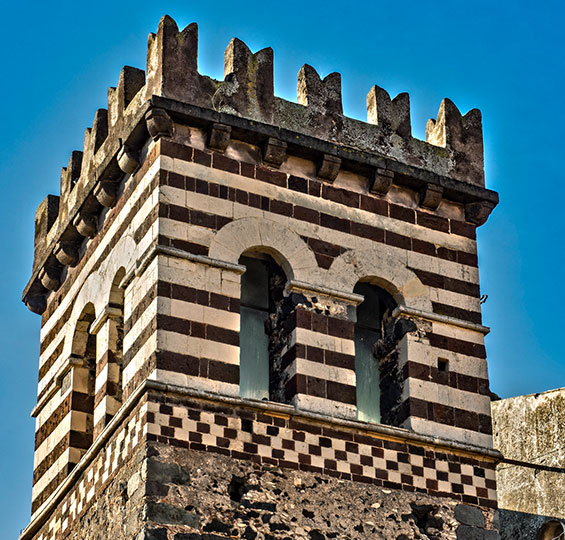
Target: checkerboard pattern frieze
341,452
97,476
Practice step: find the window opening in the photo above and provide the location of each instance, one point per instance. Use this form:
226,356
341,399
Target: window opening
443,365
370,316
84,374
262,286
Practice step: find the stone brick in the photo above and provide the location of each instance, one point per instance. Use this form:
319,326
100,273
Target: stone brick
469,515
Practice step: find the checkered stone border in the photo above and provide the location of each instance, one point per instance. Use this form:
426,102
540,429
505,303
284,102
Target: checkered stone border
97,476
298,443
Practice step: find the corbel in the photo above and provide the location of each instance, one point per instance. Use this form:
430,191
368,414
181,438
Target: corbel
106,192
329,167
67,253
274,152
50,276
85,224
430,196
36,303
382,181
219,137
159,124
478,212
128,159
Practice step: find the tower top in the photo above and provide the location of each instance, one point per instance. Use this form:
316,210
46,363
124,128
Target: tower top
448,164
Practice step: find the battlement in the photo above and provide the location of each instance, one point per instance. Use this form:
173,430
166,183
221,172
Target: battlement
243,106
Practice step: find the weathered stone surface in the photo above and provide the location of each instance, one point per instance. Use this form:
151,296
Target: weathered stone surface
168,514
219,137
117,511
159,124
329,167
469,515
529,431
526,526
237,499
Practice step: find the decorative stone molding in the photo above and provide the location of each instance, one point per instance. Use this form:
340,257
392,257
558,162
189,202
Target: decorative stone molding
429,316
290,251
380,266
300,286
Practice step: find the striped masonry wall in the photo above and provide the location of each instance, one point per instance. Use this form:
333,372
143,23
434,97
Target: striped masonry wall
180,314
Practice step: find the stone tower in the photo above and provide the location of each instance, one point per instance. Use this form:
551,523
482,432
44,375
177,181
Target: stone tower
261,319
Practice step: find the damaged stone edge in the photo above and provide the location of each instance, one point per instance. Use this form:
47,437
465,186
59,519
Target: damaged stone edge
301,286
367,163
426,315
286,411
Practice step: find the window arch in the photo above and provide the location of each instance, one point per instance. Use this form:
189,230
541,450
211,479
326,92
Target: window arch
115,341
372,315
82,379
262,288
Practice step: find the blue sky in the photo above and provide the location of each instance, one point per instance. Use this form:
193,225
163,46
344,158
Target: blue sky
505,58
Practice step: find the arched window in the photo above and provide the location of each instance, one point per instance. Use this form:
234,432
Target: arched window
82,379
262,286
371,316
113,339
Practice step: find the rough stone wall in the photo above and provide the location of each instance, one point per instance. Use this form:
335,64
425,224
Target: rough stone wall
196,495
520,525
529,432
390,458
232,475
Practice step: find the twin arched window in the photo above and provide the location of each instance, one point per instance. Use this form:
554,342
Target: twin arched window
95,379
262,286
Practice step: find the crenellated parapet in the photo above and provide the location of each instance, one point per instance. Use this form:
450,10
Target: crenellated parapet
144,105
